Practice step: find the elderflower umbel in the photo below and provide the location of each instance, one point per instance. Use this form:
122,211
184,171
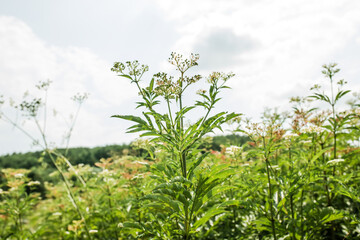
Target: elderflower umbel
19,175
290,136
33,183
312,129
233,150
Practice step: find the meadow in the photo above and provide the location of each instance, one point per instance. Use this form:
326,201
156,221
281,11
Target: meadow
293,175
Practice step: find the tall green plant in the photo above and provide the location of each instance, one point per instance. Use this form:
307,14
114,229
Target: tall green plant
180,193
337,123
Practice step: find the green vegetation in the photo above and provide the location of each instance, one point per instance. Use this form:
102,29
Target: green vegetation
90,156
75,155
291,176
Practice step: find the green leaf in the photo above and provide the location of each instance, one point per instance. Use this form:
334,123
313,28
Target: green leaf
130,118
126,76
132,225
340,94
208,215
332,217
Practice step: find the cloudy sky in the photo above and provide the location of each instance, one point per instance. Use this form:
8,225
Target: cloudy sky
276,49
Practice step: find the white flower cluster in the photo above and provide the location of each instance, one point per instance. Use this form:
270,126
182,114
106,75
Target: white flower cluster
142,143
141,162
233,150
19,175
106,173
312,129
290,136
33,183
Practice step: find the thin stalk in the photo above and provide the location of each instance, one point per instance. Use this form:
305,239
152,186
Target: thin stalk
111,207
71,130
58,154
292,216
335,121
182,153
148,106
21,129
270,190
301,215
325,178
170,115
270,200
63,177
45,110
70,192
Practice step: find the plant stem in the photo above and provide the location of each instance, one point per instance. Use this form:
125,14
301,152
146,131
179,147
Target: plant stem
301,214
182,153
270,200
71,195
292,215
71,130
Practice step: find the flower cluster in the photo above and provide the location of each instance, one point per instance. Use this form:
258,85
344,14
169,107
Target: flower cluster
330,70
310,128
31,108
193,79
166,87
214,77
183,64
43,85
80,98
142,143
233,151
33,183
290,136
135,70
201,91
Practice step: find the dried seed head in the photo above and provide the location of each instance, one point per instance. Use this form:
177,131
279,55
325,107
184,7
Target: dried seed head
80,98
30,108
43,85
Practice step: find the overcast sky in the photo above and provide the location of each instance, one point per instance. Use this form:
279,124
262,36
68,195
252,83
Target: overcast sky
276,49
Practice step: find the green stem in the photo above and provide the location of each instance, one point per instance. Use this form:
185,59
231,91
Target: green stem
21,129
270,200
182,153
63,177
111,210
71,130
69,192
325,178
335,120
45,110
292,216
170,115
301,215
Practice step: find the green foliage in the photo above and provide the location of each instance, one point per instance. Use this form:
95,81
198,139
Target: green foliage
167,131
291,176
75,155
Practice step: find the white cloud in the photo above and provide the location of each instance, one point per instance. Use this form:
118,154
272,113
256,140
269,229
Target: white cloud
293,40
25,60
